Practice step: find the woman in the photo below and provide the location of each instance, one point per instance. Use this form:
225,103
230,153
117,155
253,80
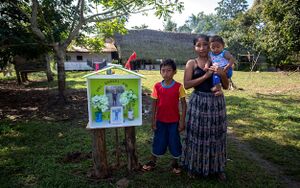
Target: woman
204,145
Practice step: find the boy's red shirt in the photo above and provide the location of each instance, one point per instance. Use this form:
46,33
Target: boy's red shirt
168,101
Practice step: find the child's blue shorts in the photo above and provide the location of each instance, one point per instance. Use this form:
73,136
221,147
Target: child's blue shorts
217,79
166,135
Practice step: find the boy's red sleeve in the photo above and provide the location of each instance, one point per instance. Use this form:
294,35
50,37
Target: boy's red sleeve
154,94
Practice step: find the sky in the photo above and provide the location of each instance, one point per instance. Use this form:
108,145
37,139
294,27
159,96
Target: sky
190,7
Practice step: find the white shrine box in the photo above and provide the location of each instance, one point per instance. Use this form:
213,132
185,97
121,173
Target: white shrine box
118,98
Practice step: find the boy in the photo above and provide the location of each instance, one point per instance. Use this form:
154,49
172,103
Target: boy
165,116
221,58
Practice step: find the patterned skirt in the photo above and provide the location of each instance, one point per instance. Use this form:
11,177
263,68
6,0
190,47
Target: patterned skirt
204,141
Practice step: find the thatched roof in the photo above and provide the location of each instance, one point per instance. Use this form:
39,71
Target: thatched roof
108,47
151,44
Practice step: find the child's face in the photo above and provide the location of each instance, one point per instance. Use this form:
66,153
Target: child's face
216,47
167,72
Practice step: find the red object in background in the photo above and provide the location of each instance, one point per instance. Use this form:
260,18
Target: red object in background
96,66
132,57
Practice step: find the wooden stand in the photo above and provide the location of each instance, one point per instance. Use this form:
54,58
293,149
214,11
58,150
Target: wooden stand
131,149
101,168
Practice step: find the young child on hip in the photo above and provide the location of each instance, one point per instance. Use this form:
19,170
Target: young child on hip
221,58
167,122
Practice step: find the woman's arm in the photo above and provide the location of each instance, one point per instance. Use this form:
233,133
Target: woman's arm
230,59
183,114
188,82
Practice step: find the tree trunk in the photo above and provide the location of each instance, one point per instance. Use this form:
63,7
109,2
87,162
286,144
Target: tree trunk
131,149
48,72
61,76
101,169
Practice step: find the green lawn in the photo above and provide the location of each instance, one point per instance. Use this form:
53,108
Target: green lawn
264,113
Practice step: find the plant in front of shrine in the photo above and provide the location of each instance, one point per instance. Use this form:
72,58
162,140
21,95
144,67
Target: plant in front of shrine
100,102
128,98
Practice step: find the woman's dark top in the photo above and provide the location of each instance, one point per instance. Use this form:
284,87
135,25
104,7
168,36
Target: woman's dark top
204,86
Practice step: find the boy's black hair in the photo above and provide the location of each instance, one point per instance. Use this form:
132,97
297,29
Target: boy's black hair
201,36
216,38
168,62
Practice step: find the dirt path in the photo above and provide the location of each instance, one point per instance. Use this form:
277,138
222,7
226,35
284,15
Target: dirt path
269,167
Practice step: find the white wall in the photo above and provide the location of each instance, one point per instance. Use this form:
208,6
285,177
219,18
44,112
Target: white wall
94,57
73,64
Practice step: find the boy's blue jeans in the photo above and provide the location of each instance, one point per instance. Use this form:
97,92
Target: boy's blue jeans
217,79
166,136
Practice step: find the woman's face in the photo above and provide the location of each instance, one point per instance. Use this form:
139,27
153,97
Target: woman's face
202,47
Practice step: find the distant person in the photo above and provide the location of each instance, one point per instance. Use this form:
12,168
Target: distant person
114,96
166,119
204,141
221,58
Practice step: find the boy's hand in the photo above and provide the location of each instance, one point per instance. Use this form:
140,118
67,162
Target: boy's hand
153,126
181,127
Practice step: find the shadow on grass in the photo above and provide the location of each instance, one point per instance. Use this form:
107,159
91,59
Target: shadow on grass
271,125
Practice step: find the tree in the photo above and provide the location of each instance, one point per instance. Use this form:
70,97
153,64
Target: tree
143,26
15,37
201,23
169,25
273,27
57,23
281,29
229,9
184,29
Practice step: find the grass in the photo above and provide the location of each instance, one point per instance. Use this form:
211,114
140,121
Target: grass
264,113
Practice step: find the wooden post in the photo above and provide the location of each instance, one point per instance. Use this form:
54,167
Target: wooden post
118,152
131,149
101,168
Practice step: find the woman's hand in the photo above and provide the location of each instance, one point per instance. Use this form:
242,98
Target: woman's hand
216,69
222,74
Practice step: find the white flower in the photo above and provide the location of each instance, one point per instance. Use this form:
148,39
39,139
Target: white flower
127,98
100,102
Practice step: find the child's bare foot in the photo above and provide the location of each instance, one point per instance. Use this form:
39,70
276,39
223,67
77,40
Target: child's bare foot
218,93
216,88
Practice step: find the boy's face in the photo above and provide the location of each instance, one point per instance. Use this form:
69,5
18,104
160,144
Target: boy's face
216,47
167,72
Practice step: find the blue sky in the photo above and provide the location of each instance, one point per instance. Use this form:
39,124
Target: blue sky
191,7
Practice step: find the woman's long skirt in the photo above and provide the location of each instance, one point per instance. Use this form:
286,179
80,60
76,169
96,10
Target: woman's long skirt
204,141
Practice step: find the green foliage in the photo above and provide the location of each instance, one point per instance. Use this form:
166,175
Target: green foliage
15,35
143,26
230,9
202,23
281,29
169,25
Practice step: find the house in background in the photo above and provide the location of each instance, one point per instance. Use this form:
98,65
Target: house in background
81,58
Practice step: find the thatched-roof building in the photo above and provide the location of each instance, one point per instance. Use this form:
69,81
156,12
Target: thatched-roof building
153,45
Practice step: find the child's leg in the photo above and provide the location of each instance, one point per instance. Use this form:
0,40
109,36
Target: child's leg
159,145
174,146
229,73
217,89
174,140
